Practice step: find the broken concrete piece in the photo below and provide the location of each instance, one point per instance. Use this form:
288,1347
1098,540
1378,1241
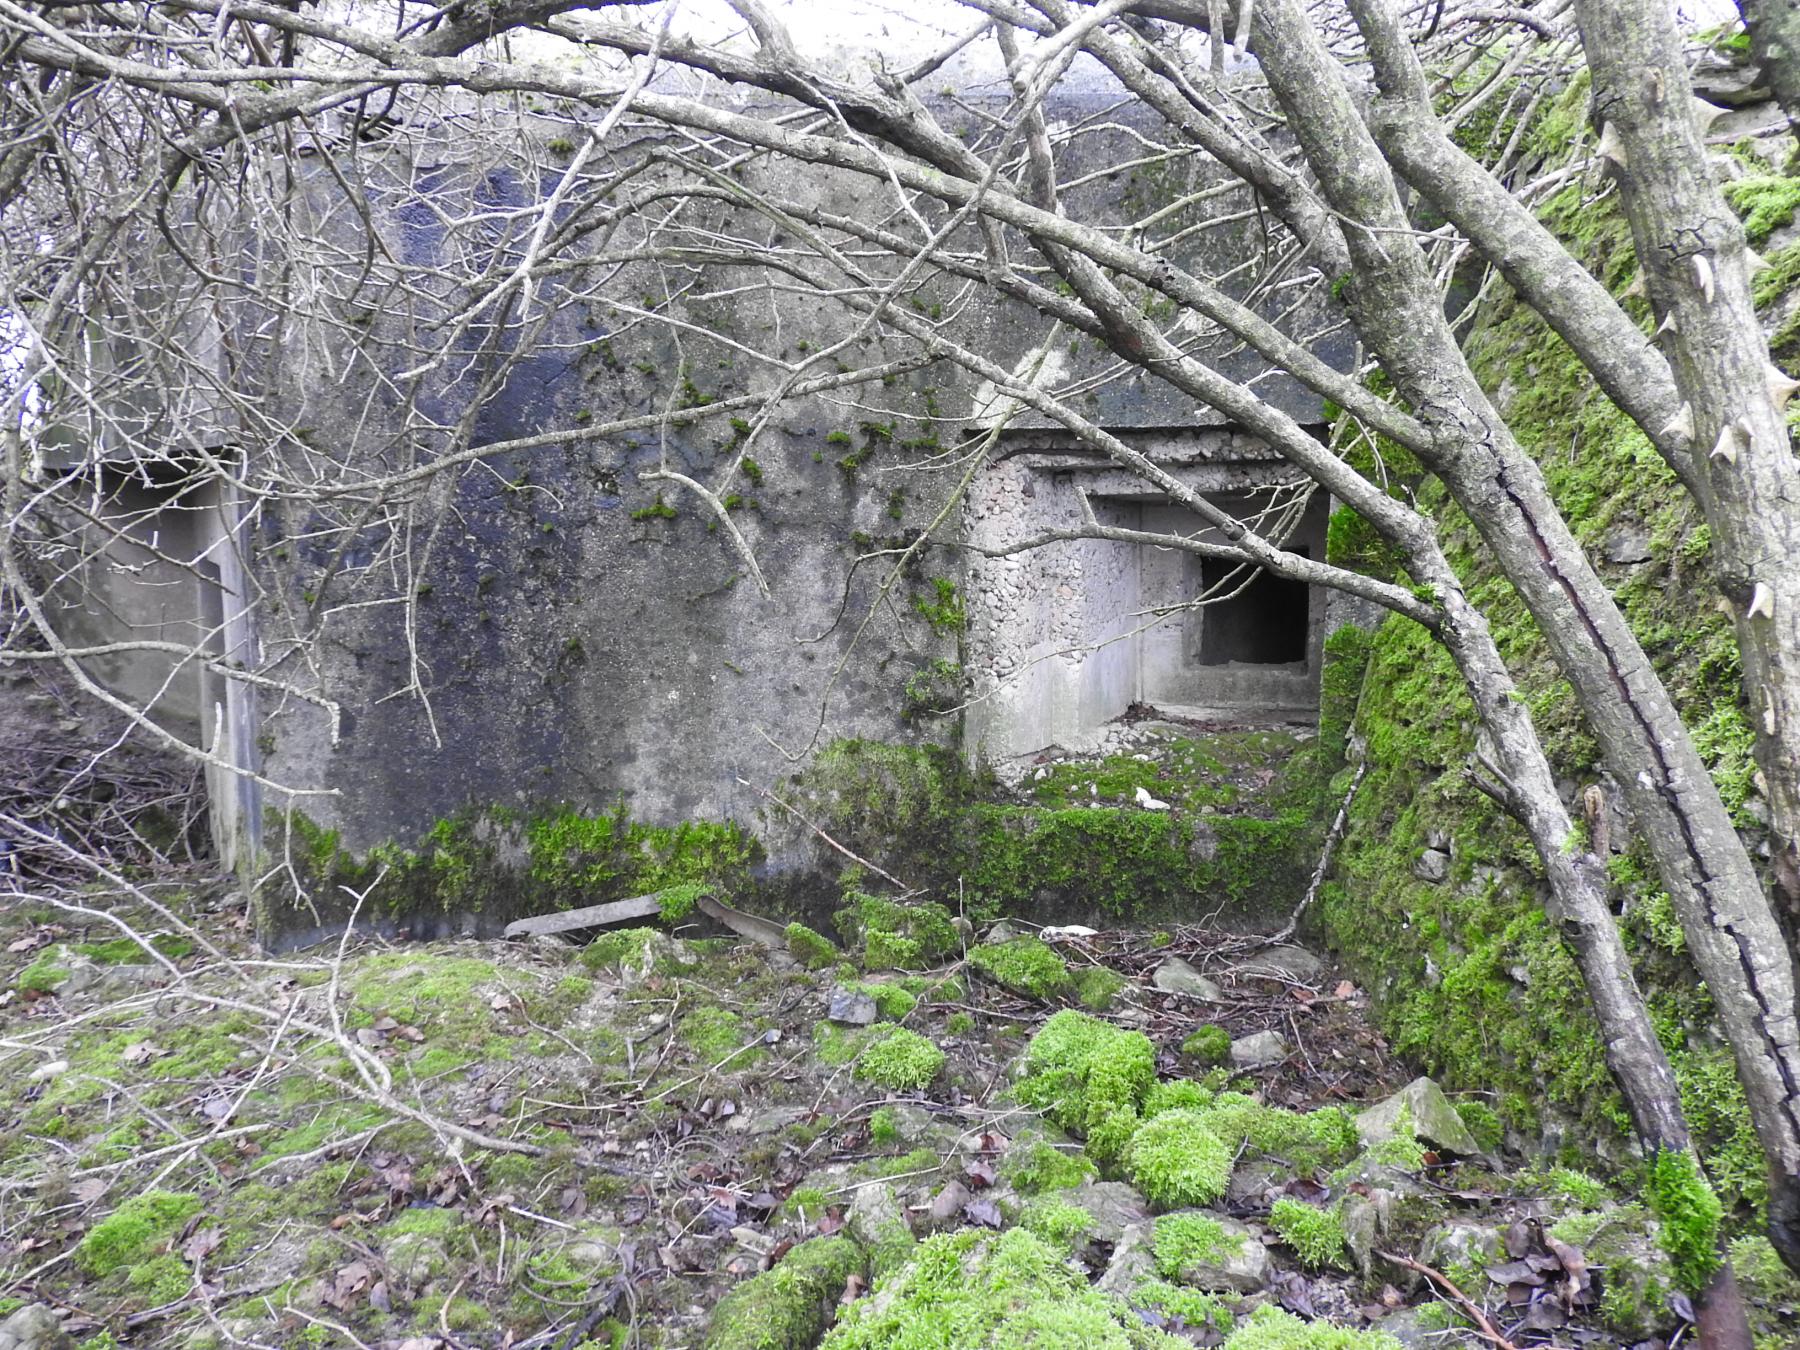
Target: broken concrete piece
851,1008
1258,1050
1176,976
1434,1120
1286,962
1240,1264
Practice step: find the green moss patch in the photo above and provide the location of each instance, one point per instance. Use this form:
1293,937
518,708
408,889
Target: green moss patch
1023,965
1089,1077
135,1232
898,1059
1177,1161
1014,1290
787,1308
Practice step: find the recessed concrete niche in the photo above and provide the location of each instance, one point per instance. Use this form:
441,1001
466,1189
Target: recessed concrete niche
1064,638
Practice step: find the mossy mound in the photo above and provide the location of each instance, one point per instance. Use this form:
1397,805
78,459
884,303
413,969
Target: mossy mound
1089,1077
1013,1291
1177,1161
888,935
898,1059
787,1308
1024,965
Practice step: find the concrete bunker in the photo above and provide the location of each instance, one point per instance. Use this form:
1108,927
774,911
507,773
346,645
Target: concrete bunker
1066,637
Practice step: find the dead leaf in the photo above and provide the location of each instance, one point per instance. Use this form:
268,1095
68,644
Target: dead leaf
980,1174
984,1212
346,1287
89,1190
202,1244
1344,990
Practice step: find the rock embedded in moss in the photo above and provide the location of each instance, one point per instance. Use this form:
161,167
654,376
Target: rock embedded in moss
1209,1252
1177,1162
1424,1106
1098,987
787,1307
1023,965
898,1059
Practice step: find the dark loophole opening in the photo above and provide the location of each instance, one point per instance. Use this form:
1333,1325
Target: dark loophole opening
1263,624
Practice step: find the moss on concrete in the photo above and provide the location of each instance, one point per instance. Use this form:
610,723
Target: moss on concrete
1470,978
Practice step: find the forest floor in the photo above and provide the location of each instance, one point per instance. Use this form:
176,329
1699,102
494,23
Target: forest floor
539,1144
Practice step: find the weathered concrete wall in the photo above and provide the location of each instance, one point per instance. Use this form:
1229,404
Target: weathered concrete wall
550,628
1074,633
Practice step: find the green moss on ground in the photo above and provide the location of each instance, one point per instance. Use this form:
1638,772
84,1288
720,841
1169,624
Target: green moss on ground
898,1059
1315,1234
1209,1045
135,1232
1023,965
1177,1161
1088,1077
787,1307
1010,1291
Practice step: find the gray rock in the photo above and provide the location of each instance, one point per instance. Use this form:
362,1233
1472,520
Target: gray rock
946,1208
1627,545
1434,1120
1459,1247
1253,1181
1432,865
878,1222
1285,962
1115,1207
415,1257
34,1327
1258,1050
1176,976
919,1126
1133,1262
1728,83
1003,932
767,1120
851,1008
1362,1225
1241,1265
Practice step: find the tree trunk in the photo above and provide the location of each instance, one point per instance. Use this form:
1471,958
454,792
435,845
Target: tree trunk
1730,927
